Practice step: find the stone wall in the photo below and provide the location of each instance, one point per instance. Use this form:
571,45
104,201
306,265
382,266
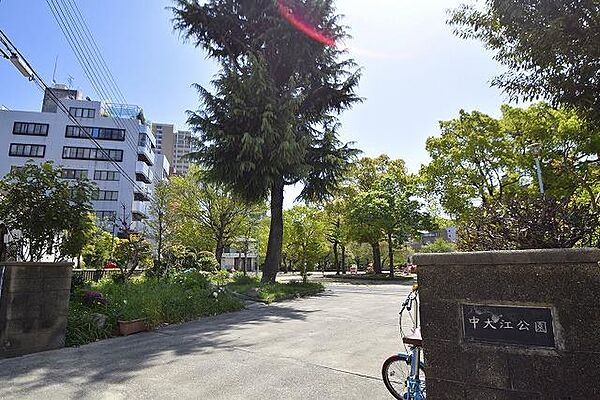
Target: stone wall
566,281
34,302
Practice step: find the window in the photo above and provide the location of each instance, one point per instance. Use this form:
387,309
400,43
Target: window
87,153
106,215
27,150
105,195
96,133
30,128
143,140
106,175
16,168
74,173
82,112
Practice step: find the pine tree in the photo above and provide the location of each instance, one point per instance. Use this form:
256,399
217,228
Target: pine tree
272,118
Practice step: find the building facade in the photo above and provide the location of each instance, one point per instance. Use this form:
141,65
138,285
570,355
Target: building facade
175,145
245,250
121,131
447,234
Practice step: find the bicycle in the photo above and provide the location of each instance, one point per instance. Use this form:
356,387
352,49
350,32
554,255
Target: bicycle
404,373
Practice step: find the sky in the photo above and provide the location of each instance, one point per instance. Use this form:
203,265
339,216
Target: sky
415,71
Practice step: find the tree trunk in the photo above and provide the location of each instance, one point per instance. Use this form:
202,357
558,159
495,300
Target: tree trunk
343,259
273,258
391,253
336,258
376,257
219,250
159,248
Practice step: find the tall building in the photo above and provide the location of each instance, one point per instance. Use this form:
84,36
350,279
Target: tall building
174,145
121,130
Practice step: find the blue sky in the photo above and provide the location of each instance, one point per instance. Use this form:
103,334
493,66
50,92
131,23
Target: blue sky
416,72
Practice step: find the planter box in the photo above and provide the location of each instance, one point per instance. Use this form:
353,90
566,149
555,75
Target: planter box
131,327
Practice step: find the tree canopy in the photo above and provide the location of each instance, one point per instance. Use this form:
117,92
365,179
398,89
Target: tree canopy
45,214
272,118
479,159
550,48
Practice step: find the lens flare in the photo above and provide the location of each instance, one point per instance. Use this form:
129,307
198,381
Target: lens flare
299,23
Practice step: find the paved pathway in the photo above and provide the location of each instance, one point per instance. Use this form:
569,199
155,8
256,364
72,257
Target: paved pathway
327,347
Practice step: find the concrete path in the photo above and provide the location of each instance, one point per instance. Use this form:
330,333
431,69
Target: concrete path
327,347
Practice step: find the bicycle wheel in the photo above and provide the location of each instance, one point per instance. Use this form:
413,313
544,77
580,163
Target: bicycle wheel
395,372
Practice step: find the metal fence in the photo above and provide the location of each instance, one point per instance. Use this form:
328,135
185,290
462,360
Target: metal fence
94,275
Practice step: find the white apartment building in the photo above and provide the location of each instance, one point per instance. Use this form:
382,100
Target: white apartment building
119,129
174,144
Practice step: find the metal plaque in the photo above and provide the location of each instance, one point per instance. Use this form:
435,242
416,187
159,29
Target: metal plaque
508,325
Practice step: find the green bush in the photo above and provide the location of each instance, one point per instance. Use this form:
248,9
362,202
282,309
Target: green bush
206,261
182,297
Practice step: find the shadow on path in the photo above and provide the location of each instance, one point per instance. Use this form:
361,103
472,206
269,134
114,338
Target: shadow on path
118,360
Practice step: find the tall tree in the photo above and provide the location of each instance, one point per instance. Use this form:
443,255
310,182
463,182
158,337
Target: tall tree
473,161
272,119
211,208
160,223
479,159
550,48
305,237
384,206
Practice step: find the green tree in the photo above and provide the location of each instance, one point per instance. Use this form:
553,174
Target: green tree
472,162
549,47
305,239
161,221
211,209
384,207
45,214
132,252
365,216
272,119
438,246
98,250
337,230
479,159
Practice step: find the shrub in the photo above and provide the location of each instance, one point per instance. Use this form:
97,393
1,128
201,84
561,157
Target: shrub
77,282
182,297
528,221
439,246
52,215
206,261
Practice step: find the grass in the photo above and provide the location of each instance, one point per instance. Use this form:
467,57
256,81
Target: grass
182,297
269,293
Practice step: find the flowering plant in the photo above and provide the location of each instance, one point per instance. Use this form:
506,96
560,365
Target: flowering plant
91,298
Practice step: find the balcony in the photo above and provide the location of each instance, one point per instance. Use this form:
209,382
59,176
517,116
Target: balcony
141,208
141,192
145,151
143,172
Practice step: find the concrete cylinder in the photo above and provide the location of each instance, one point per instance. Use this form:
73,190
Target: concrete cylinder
34,304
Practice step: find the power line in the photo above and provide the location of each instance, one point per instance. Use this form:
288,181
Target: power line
90,55
46,89
78,50
92,51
